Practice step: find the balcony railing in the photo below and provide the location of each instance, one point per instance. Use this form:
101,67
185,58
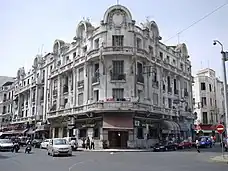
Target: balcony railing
116,76
95,79
81,83
140,78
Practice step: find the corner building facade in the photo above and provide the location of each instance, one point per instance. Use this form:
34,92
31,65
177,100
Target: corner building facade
119,84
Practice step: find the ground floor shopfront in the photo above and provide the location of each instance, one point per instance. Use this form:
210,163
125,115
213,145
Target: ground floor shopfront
115,130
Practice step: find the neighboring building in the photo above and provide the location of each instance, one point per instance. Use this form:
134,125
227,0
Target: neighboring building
117,83
208,97
6,102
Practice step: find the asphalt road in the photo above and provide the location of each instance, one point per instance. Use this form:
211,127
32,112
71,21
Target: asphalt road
103,161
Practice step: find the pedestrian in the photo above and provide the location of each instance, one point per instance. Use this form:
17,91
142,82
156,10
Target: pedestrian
197,145
88,143
92,143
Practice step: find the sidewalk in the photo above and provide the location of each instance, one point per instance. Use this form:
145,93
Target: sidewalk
116,150
220,159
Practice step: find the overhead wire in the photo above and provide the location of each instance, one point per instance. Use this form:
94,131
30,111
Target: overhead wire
196,22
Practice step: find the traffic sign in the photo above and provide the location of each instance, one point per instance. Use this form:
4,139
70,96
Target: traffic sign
220,128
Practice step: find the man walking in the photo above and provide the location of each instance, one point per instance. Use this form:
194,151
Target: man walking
197,145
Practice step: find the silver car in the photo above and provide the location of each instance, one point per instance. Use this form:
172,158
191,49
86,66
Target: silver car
6,145
59,146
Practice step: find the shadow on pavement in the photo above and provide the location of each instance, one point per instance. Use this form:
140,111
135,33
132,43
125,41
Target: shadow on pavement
4,157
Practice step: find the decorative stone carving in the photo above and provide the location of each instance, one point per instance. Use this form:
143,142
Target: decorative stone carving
117,18
20,73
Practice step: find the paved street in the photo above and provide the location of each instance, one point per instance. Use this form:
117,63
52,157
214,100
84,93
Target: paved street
103,161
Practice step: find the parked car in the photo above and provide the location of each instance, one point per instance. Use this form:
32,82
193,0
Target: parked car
36,143
205,141
165,146
225,144
184,144
73,142
45,143
59,146
6,145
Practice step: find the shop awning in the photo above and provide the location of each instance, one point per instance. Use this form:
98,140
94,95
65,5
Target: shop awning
30,132
118,122
170,127
19,131
1,133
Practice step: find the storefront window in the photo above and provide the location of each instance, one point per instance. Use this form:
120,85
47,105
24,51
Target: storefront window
153,133
96,133
140,133
82,133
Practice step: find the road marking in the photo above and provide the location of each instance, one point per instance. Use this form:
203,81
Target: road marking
81,162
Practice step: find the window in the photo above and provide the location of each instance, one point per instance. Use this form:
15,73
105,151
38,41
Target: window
169,103
212,119
117,41
175,84
155,99
205,119
80,99
210,87
211,101
81,74
203,86
151,50
82,133
51,67
139,43
140,95
161,55
118,67
96,95
85,49
174,61
139,68
118,70
96,43
167,59
118,94
67,58
182,67
204,101
28,81
163,100
140,133
74,54
154,75
96,132
96,68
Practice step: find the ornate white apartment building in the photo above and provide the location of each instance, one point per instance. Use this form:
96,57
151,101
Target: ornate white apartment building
208,97
117,83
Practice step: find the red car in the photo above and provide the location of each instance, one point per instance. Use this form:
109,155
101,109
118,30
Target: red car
184,144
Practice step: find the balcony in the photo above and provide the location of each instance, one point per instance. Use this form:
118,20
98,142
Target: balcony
65,89
95,79
81,83
140,78
155,84
110,106
116,76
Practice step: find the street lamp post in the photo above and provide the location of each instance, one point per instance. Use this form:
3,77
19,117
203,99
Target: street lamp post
224,59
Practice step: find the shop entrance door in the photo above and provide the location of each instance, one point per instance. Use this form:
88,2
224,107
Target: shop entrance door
118,139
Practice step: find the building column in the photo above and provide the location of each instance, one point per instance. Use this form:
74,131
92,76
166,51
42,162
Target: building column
53,133
74,86
30,101
58,92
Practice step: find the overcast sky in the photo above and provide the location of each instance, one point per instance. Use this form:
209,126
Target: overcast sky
26,25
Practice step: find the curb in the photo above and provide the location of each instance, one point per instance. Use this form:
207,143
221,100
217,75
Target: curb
113,150
220,159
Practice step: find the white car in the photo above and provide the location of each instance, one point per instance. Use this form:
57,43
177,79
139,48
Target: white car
73,142
59,146
6,145
45,143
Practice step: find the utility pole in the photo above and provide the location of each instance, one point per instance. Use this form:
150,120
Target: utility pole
224,59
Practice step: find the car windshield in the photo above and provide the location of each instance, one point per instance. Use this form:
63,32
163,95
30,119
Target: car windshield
203,139
59,142
3,141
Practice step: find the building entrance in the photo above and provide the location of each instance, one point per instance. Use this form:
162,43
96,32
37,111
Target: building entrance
118,139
